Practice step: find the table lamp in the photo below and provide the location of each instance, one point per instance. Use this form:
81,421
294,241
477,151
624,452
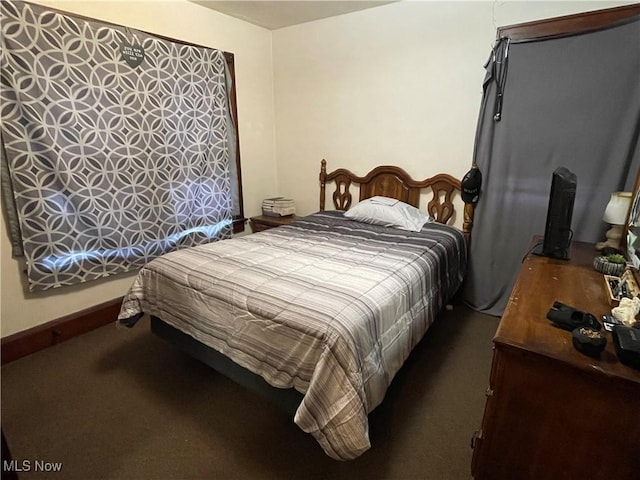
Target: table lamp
615,214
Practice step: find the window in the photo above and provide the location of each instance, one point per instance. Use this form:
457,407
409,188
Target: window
119,146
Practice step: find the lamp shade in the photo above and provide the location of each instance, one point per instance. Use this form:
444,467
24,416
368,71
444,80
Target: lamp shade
617,208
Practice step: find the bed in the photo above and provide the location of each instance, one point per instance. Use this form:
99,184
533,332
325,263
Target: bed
319,314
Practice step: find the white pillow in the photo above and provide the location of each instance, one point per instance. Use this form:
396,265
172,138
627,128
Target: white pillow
389,212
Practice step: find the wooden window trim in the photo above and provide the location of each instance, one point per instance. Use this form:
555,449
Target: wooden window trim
569,24
238,220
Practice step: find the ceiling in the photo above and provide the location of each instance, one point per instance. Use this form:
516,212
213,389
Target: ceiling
274,15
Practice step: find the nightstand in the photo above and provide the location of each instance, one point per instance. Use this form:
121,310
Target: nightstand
265,222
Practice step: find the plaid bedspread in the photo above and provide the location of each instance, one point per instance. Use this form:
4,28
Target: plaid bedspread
326,305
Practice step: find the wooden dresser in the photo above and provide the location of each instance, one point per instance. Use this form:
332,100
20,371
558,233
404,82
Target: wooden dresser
552,412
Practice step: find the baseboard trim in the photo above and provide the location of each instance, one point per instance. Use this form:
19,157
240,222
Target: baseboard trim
56,331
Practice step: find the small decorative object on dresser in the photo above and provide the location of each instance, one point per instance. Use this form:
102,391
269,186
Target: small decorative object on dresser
265,222
588,341
610,265
621,287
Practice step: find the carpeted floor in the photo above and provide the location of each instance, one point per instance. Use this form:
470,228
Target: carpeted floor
123,404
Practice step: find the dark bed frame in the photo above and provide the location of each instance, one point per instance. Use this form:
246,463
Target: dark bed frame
388,181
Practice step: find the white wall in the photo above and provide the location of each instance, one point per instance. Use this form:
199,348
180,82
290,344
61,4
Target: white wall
190,22
397,84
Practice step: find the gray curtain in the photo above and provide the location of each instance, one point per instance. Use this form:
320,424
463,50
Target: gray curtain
116,144
573,102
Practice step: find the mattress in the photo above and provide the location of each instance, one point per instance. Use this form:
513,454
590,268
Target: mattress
326,305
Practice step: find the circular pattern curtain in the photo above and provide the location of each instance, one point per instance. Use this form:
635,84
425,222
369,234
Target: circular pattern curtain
115,142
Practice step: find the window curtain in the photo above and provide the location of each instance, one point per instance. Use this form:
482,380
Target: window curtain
116,145
572,101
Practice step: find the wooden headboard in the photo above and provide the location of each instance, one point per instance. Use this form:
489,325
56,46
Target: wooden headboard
394,182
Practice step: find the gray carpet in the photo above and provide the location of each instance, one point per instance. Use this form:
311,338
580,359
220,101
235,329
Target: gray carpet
123,404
